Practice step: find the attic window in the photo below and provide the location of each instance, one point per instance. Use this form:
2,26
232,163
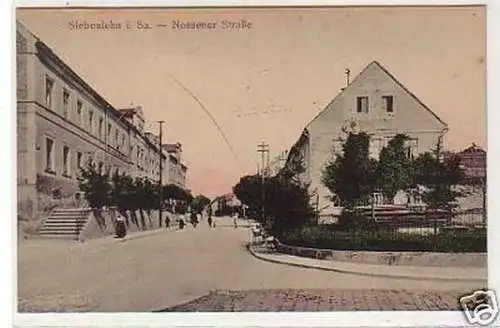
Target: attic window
362,104
388,103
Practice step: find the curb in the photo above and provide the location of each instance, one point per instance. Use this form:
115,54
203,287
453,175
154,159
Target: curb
132,237
306,266
109,239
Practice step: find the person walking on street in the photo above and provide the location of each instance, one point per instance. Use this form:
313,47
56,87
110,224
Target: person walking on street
235,216
181,222
121,230
167,220
193,219
210,223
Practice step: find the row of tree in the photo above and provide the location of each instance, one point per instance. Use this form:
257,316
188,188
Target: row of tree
281,202
133,195
353,175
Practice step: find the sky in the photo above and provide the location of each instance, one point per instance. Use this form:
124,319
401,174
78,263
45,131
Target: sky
265,83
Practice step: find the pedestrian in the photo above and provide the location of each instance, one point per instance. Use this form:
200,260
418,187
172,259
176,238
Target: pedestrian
121,230
235,216
167,220
210,217
181,222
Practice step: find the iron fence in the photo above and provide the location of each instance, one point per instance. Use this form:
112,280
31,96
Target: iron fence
455,232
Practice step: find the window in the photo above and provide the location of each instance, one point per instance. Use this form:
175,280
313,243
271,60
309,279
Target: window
411,148
362,104
78,160
49,88
109,130
388,103
101,164
79,107
49,155
91,121
66,161
375,147
100,127
65,103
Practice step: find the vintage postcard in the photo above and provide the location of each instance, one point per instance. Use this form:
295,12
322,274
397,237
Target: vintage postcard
251,159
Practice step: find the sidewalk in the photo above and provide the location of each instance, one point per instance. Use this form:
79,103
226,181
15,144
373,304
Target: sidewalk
111,239
471,274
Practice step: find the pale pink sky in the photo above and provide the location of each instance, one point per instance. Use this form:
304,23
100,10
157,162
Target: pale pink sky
290,65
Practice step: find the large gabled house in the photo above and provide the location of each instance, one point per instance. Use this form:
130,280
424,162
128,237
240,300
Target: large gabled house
376,103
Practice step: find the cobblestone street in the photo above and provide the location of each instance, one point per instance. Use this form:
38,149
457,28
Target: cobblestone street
322,300
169,268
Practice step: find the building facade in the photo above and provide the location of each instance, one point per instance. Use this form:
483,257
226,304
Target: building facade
376,103
63,124
176,169
473,163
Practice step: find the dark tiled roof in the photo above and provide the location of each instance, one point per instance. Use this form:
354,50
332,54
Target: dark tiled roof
171,147
473,149
127,112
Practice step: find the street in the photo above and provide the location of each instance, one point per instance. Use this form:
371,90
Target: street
168,268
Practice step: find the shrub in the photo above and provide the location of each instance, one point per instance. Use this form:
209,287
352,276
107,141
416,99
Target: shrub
387,240
354,220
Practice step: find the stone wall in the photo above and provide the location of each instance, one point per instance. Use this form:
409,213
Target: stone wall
391,258
94,230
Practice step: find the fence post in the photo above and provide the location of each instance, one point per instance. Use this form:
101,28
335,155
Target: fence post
434,242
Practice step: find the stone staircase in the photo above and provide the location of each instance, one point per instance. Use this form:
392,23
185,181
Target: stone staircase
64,223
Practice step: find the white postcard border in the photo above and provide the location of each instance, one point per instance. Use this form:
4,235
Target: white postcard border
304,319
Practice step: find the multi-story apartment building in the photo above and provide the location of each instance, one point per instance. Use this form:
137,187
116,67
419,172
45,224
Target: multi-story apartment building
176,169
376,103
63,124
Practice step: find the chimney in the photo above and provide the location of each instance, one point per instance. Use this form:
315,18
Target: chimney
348,78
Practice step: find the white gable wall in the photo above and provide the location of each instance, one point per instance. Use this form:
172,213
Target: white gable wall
409,116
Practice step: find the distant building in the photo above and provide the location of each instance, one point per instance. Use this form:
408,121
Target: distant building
176,169
376,103
63,124
225,204
277,163
473,164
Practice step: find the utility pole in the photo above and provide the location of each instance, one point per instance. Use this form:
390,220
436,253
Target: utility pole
160,182
263,149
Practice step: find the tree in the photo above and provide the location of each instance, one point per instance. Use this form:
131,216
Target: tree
199,203
249,191
286,202
287,205
438,177
95,186
351,175
124,193
394,167
97,190
175,194
151,198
